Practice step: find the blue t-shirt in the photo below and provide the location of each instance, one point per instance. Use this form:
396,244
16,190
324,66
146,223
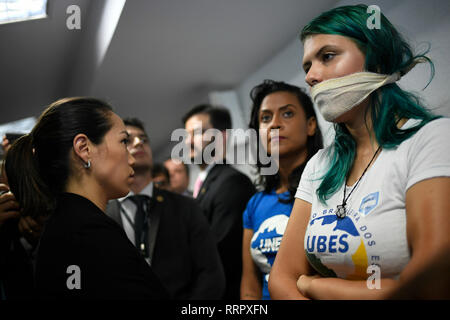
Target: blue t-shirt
267,217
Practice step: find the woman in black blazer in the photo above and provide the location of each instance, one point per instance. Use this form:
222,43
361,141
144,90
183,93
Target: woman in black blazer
74,160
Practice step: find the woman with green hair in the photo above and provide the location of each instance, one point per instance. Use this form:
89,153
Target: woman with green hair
372,209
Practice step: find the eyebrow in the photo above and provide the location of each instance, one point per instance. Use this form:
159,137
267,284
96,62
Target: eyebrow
126,133
280,108
319,53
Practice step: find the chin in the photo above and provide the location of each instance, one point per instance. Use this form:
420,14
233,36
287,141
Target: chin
120,193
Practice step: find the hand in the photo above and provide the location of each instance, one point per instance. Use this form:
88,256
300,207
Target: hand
30,229
9,207
304,282
5,144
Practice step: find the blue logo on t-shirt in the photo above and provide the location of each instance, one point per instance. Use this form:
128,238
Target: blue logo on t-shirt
322,243
268,243
368,203
335,247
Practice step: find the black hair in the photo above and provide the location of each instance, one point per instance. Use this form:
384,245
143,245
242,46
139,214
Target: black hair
313,143
159,168
219,117
135,122
38,164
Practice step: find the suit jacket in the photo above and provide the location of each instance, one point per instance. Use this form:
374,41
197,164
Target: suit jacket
183,252
223,196
79,233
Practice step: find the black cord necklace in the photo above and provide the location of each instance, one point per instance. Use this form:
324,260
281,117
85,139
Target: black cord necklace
341,211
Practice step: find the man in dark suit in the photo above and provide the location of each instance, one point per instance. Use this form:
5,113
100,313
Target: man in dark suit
222,191
171,231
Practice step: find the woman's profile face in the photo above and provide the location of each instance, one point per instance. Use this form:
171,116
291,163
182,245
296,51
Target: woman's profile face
328,56
282,110
111,161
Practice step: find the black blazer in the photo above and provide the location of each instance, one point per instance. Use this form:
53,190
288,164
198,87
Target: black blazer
184,254
223,196
79,233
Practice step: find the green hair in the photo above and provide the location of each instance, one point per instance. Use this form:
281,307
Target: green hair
386,52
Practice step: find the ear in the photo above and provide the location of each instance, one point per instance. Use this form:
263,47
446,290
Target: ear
311,126
81,147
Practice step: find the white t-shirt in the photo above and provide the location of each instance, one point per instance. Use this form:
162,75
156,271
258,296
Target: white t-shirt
374,230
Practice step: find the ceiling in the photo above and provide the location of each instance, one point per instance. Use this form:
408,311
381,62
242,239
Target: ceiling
164,56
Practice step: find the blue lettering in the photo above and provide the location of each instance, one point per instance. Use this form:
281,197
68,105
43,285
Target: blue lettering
309,247
321,244
332,244
343,243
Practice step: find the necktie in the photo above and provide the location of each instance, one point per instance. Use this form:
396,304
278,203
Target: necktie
197,187
141,222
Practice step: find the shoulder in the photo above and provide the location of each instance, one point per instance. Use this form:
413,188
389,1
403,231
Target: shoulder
321,155
318,163
171,198
435,128
227,170
252,209
425,155
176,204
231,176
76,212
256,199
433,135
82,231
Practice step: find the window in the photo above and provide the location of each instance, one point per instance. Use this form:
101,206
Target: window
22,10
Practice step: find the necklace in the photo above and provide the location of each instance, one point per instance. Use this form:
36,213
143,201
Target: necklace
341,211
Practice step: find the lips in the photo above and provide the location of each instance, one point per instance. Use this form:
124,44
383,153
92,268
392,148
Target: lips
138,154
277,138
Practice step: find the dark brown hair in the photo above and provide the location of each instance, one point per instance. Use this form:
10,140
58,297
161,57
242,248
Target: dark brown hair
219,117
37,164
313,143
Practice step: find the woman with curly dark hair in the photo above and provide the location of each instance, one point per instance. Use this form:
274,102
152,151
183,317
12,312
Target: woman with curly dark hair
284,117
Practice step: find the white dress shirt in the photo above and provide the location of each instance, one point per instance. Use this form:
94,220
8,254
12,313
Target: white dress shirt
128,210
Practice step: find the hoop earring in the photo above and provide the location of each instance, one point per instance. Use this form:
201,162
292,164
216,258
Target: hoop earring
88,164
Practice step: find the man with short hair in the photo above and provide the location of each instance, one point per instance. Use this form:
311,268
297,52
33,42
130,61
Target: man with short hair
221,190
169,230
179,176
161,177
